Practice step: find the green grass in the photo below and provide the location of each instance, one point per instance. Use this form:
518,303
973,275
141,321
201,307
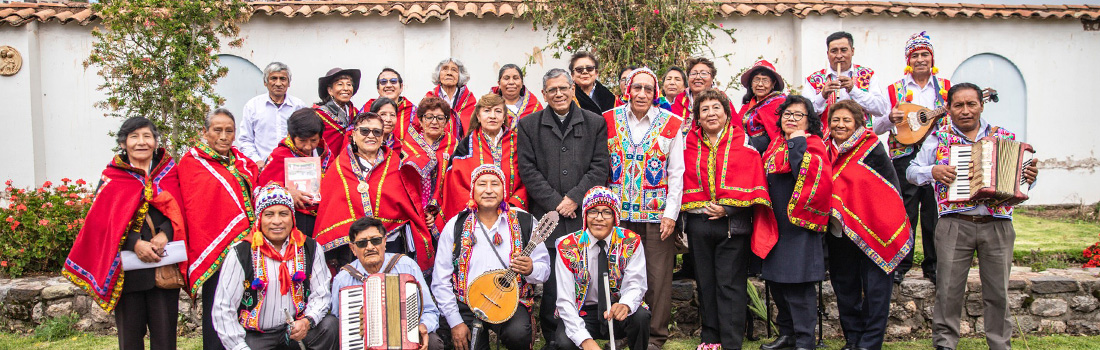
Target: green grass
86,341
1054,239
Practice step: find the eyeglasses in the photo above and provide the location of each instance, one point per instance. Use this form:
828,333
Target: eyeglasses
436,117
701,74
584,69
762,81
647,88
793,116
601,213
376,241
390,81
367,132
555,90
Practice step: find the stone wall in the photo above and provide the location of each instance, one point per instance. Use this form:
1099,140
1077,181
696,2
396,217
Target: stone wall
1053,301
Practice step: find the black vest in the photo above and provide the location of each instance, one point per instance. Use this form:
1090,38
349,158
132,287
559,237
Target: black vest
524,218
244,255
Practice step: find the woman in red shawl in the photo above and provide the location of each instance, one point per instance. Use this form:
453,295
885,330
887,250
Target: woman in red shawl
764,94
303,139
725,200
519,101
489,142
217,206
369,179
799,183
335,109
450,80
429,147
869,231
700,77
135,209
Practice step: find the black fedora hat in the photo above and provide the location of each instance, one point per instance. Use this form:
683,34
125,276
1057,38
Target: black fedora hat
324,82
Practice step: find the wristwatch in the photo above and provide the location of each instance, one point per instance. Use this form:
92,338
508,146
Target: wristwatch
312,323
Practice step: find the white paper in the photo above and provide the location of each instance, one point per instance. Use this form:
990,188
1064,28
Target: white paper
176,253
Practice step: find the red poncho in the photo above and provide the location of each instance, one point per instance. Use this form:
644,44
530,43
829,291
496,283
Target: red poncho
810,203
406,111
867,205
471,153
758,117
217,204
431,166
681,105
335,135
729,173
275,170
461,110
120,206
529,102
392,196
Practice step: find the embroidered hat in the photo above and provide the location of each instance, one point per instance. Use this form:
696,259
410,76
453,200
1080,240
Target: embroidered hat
761,65
656,81
919,41
272,195
598,196
487,169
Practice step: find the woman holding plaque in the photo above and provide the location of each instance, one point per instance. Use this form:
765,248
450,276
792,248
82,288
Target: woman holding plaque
303,143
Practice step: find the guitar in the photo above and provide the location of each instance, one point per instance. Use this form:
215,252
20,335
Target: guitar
919,120
494,295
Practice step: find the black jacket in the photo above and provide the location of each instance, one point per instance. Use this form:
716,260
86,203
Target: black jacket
602,100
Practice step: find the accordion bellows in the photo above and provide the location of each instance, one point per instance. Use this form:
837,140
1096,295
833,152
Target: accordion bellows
382,313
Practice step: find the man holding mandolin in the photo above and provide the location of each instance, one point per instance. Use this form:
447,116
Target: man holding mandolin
488,239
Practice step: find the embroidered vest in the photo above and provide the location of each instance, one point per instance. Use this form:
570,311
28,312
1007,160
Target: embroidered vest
638,171
519,224
248,312
943,154
899,93
862,76
573,250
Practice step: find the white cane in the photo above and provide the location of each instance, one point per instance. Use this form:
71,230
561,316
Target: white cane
610,320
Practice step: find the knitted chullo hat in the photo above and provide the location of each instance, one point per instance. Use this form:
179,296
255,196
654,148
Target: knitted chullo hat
487,169
656,81
598,196
272,195
919,41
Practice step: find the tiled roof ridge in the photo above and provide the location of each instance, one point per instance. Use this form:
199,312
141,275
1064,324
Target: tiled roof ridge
16,14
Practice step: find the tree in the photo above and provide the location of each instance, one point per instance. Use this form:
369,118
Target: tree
652,33
157,59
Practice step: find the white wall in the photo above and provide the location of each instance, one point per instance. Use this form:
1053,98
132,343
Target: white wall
54,131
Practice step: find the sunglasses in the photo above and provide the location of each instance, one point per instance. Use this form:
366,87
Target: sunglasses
367,132
390,81
376,241
584,69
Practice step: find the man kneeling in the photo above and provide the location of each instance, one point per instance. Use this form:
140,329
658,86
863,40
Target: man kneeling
582,260
286,274
368,243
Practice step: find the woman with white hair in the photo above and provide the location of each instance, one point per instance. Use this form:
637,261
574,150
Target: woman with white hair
450,79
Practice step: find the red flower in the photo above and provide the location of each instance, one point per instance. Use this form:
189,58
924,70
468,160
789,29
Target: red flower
4,263
47,205
14,225
20,207
633,28
80,182
47,184
656,12
69,226
720,25
10,219
73,196
44,222
22,191
69,202
41,190
8,182
63,189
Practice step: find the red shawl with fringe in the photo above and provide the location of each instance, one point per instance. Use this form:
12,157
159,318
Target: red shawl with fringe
217,205
275,170
393,196
758,117
729,173
471,153
406,111
867,205
120,206
335,136
681,105
461,110
813,188
431,165
529,102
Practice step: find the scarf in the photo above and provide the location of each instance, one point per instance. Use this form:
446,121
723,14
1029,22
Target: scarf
810,203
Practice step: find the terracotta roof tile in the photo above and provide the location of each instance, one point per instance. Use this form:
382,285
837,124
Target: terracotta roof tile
16,14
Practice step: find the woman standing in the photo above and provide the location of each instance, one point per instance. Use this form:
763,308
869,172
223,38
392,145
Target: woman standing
869,232
725,195
800,186
429,147
136,210
517,98
335,90
450,80
764,94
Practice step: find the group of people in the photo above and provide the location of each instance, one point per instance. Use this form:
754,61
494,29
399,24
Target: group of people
792,188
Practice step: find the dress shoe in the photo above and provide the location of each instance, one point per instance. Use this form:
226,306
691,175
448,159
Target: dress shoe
783,342
849,346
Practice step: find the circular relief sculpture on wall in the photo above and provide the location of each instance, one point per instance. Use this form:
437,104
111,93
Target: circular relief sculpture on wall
10,61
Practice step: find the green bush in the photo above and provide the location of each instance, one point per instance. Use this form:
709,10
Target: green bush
57,328
40,225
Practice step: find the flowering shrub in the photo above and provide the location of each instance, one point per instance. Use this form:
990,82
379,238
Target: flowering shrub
40,224
1092,254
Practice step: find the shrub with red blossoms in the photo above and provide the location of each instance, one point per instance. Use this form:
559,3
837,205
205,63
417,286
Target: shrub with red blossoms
1092,253
40,225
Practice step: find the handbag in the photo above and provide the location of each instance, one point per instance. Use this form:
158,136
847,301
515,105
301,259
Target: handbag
167,276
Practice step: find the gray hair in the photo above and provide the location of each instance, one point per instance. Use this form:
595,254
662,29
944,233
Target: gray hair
554,73
463,75
210,117
276,67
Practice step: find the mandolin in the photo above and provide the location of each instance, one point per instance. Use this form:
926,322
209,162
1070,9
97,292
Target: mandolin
494,295
919,120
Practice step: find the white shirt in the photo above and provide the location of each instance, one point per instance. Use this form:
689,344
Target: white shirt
631,289
482,260
924,97
638,130
231,289
450,99
872,100
263,125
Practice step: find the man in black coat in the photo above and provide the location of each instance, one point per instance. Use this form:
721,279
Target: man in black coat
562,154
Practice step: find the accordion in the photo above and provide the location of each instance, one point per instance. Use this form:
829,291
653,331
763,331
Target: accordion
382,313
990,171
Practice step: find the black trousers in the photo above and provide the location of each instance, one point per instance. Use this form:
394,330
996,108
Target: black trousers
155,310
516,333
323,336
863,293
305,223
635,328
796,306
548,321
920,205
721,277
210,340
